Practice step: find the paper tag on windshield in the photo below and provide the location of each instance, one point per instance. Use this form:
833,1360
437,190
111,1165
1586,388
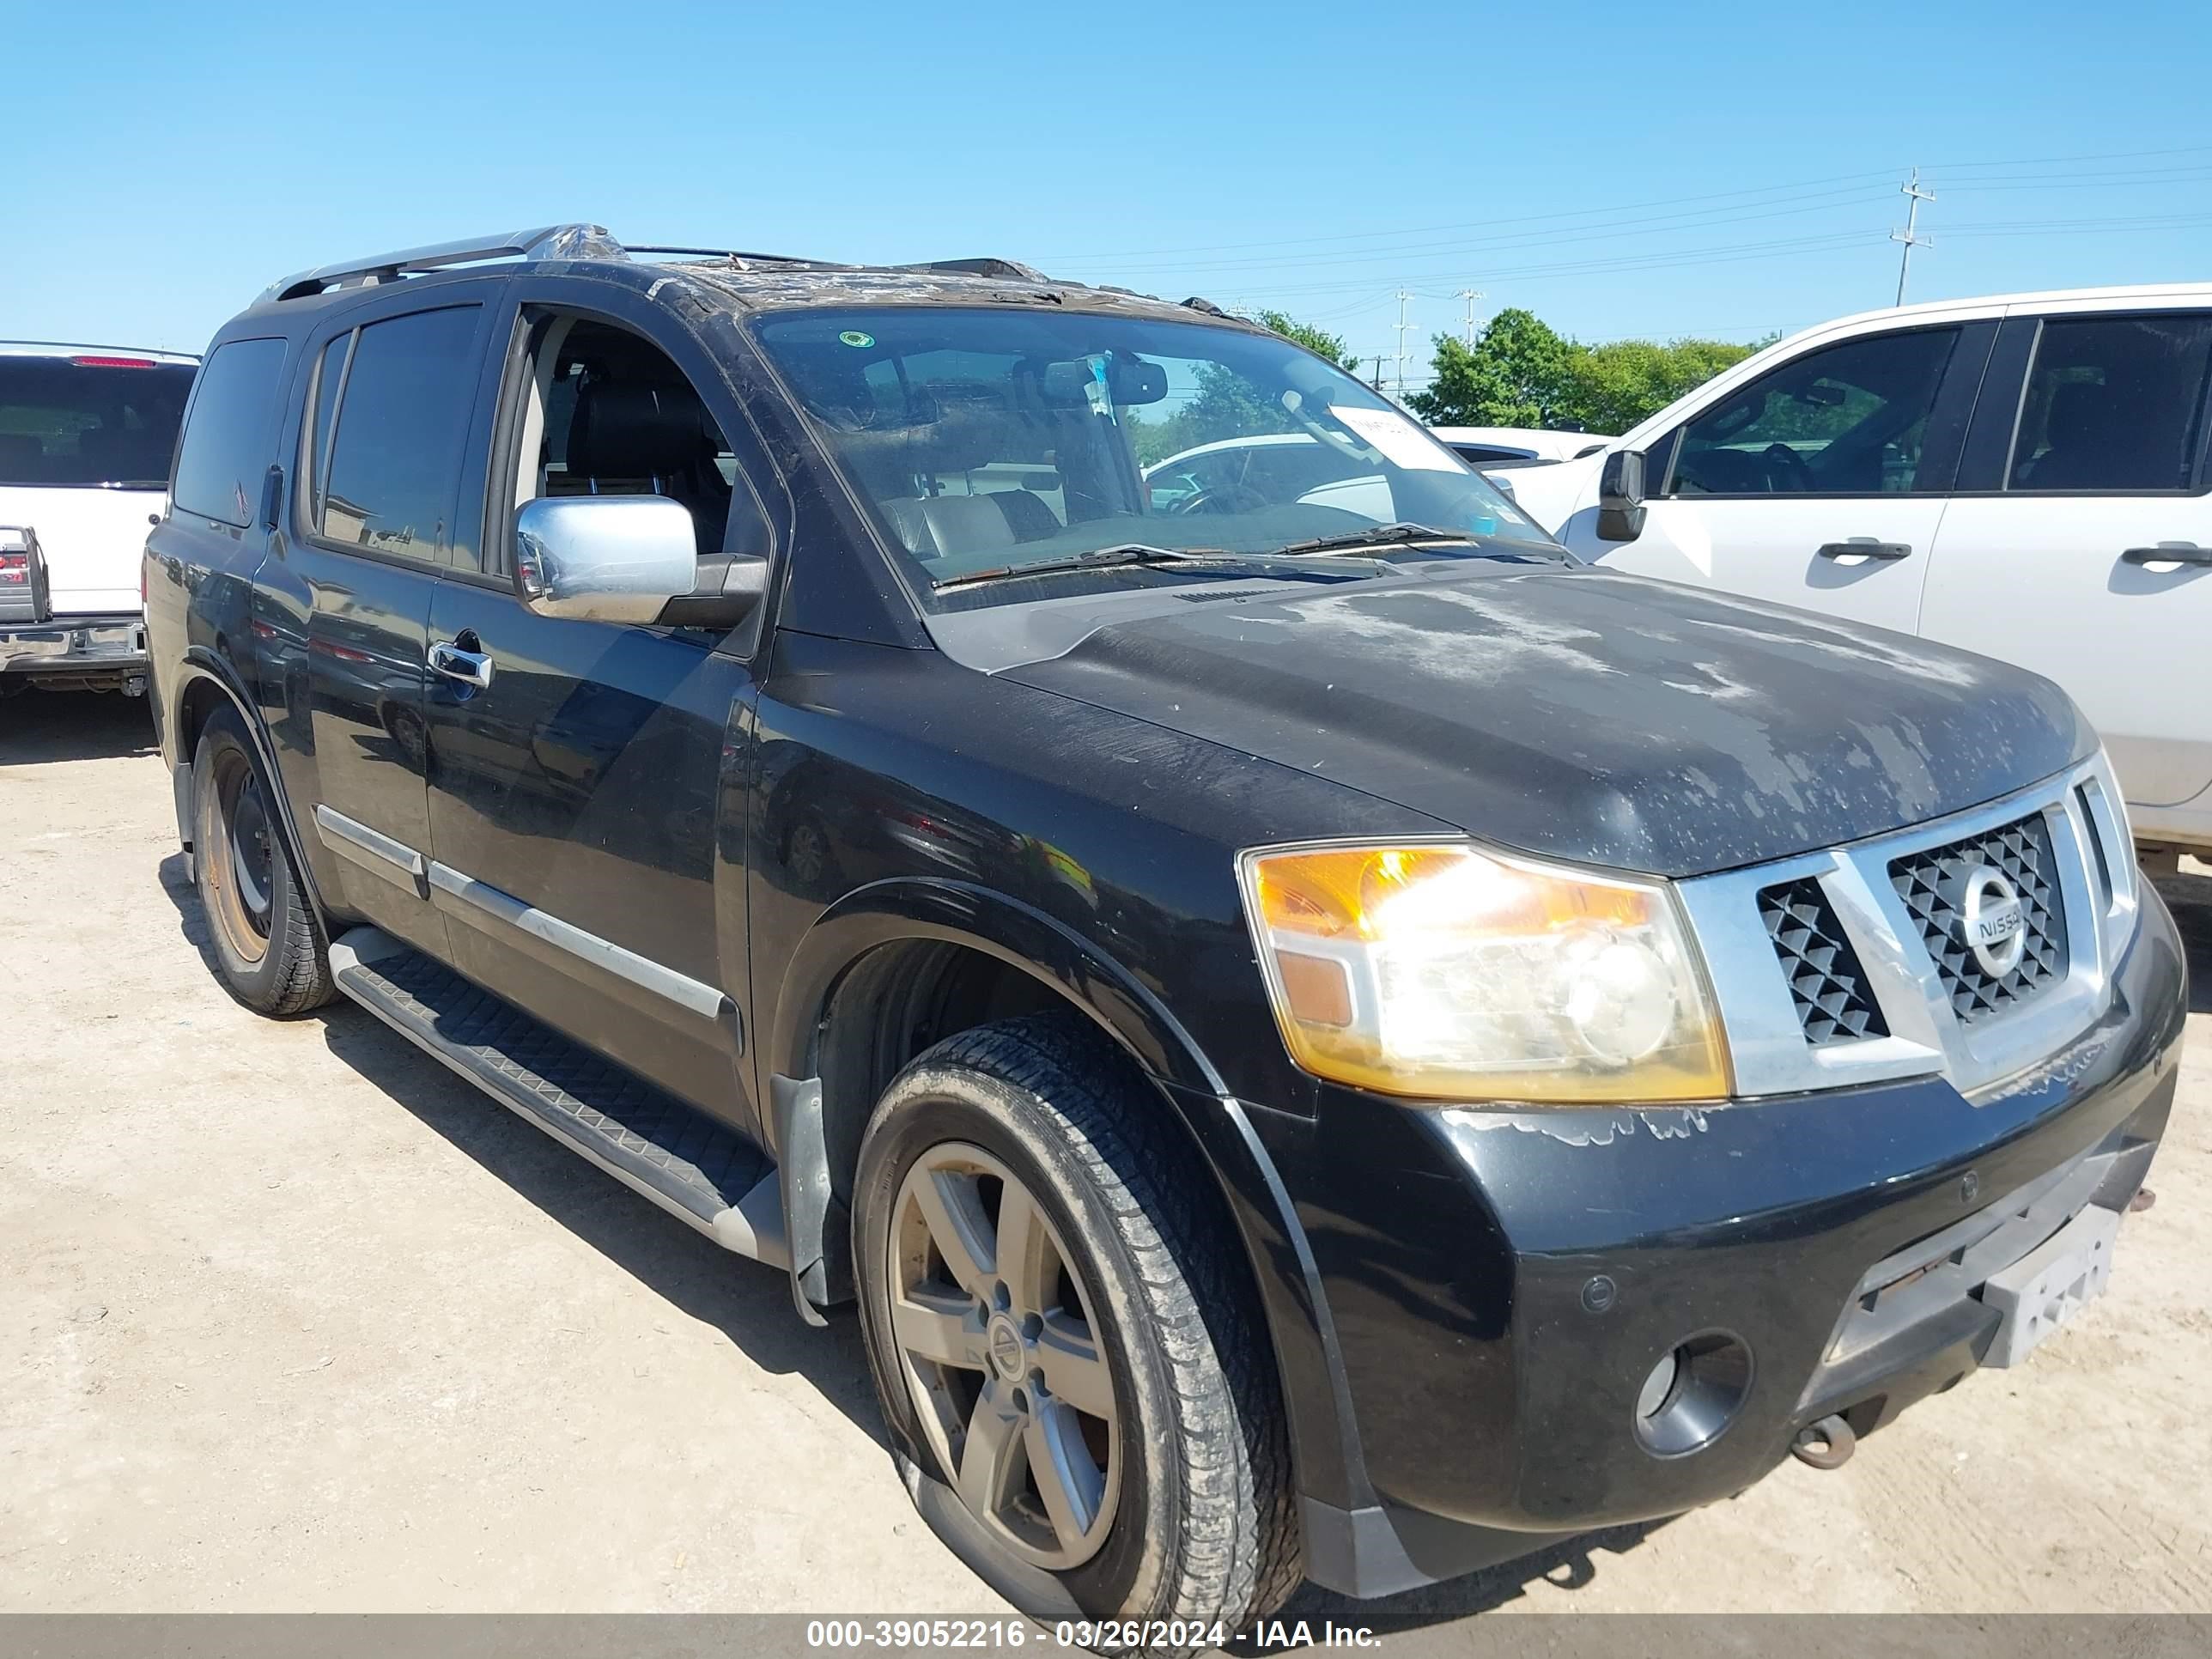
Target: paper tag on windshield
1402,443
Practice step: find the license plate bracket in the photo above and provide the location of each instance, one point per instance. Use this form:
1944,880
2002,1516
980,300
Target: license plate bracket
2049,1285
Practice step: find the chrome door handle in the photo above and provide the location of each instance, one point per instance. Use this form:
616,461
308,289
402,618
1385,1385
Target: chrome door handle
1864,547
2168,553
469,668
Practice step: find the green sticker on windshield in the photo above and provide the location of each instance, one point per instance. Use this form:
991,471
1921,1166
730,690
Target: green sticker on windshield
853,336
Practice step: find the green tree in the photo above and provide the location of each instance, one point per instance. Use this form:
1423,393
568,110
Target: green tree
1317,340
1517,374
1225,404
1613,386
1521,372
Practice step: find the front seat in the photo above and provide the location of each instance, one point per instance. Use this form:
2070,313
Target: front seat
629,439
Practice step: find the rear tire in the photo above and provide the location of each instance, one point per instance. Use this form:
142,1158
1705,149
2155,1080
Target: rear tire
269,949
1174,1428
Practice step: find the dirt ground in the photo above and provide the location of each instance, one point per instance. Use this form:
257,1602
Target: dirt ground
292,1319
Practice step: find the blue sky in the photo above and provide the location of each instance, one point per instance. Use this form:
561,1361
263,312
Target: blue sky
1621,170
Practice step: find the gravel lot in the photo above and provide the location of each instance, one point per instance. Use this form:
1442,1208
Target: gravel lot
291,1318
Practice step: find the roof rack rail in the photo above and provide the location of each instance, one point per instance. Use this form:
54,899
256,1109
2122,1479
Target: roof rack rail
547,242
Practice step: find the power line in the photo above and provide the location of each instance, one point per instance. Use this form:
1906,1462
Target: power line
1731,253
1519,238
1636,206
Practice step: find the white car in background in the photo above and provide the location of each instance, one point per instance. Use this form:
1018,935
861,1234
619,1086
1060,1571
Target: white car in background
1278,466
1496,448
85,437
2029,476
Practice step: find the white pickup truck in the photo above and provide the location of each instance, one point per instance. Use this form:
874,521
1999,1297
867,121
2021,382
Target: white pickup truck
86,434
2029,476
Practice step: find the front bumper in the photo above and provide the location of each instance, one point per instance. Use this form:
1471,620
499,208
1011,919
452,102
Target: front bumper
94,649
1497,1287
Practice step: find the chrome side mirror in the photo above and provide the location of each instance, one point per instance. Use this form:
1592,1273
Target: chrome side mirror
602,558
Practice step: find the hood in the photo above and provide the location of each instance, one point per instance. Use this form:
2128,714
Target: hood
1585,714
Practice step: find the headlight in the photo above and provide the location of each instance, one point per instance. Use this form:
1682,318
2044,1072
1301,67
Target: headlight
1449,974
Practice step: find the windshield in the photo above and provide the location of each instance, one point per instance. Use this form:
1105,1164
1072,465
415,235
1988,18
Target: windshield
100,421
988,442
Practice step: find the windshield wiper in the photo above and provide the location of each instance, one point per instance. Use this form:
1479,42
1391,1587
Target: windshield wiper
1375,535
1122,553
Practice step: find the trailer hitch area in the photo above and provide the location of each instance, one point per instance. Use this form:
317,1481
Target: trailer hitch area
1827,1444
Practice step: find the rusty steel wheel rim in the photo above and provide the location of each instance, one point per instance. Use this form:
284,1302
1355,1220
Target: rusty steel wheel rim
993,1328
240,858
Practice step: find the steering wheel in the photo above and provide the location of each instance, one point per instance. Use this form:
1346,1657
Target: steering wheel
1219,498
1781,458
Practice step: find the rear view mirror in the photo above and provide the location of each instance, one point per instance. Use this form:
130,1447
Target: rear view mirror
602,558
1620,496
1067,384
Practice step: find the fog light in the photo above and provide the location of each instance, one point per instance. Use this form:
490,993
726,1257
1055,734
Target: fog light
1692,1393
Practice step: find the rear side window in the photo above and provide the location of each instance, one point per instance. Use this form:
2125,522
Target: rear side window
99,419
401,418
2114,403
226,450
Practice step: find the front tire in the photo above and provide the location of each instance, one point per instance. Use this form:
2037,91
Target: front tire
269,949
1060,1323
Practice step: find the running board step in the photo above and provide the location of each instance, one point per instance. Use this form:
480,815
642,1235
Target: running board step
701,1172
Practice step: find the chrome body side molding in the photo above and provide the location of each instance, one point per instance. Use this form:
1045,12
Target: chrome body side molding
374,851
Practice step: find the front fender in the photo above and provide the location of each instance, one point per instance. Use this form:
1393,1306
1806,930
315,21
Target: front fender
959,913
1219,1126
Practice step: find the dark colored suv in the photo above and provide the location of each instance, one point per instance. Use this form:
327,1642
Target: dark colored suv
1322,1035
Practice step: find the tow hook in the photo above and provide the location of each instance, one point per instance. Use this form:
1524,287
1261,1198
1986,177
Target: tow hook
1826,1444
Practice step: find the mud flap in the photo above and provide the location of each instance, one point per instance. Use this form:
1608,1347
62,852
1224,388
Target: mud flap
803,1165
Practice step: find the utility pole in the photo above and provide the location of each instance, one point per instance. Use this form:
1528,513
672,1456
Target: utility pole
1467,328
1403,354
1911,190
1378,381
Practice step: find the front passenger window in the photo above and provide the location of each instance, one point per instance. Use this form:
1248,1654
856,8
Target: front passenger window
1847,420
610,414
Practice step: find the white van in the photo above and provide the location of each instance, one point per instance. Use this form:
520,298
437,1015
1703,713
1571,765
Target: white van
2029,476
85,436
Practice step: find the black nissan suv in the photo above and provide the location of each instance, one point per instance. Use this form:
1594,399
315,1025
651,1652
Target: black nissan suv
1323,1037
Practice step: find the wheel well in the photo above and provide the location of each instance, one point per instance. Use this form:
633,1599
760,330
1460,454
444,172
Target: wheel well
201,699
896,1001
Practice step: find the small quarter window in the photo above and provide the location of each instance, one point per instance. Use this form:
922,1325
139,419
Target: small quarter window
229,432
2114,403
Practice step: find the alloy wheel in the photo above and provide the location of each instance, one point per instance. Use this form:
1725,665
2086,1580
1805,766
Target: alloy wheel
1001,1356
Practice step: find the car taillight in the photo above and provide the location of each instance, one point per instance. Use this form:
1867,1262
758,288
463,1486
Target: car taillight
15,569
114,363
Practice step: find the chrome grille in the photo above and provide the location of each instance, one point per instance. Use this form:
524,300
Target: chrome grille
1929,883
1827,985
1844,965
